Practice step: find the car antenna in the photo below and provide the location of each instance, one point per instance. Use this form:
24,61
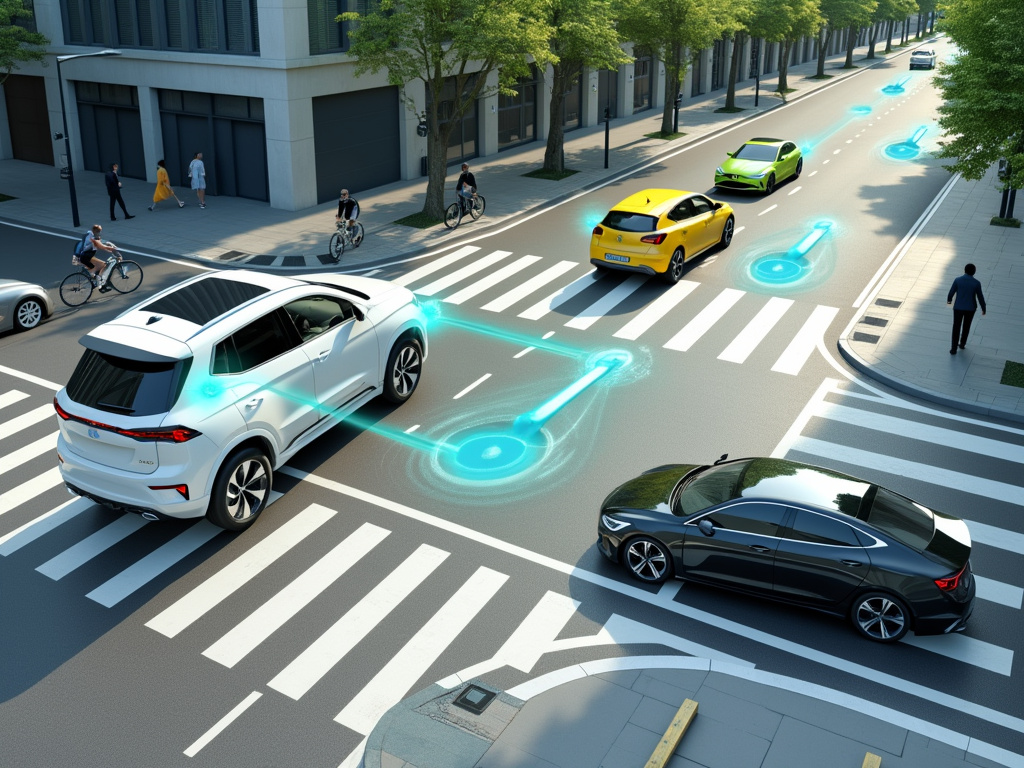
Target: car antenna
721,458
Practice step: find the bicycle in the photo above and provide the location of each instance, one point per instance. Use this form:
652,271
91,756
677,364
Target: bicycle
123,276
453,213
344,237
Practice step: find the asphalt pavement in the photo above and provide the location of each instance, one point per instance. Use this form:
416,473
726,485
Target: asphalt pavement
613,713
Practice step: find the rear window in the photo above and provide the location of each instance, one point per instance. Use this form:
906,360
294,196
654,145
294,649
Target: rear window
902,519
204,300
630,222
127,387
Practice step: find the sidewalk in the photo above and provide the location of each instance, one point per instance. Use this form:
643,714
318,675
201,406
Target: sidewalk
613,714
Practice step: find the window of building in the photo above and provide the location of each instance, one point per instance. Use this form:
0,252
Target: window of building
462,142
327,35
517,114
643,77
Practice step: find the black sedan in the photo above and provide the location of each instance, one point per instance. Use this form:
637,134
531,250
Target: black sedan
797,533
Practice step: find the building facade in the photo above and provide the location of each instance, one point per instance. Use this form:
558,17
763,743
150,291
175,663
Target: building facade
267,92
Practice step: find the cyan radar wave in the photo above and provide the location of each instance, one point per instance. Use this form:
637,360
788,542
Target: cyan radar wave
909,149
793,265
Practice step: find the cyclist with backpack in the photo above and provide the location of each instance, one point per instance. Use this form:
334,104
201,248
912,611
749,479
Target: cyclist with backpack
465,188
86,250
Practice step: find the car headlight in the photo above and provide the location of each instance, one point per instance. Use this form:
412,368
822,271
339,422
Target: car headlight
612,524
719,170
760,175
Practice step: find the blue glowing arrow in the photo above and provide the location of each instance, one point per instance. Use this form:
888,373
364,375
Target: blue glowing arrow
800,249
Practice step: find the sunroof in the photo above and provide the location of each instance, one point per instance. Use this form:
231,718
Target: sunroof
203,300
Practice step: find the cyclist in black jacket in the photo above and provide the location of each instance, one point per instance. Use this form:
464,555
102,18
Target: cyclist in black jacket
348,209
465,187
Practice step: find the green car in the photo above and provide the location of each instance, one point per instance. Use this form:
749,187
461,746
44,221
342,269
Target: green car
760,164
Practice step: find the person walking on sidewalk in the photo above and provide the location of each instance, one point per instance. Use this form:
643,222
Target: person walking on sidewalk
114,192
967,290
197,173
163,186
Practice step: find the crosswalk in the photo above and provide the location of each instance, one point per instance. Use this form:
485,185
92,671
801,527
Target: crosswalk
688,310
837,428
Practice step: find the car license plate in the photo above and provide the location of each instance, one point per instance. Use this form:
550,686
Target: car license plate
613,257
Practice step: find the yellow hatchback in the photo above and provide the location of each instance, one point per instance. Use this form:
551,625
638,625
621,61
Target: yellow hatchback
656,231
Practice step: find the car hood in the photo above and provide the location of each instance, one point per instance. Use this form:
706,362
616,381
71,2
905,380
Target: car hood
650,491
6,282
745,167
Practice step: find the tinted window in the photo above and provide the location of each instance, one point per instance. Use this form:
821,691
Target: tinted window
316,314
630,222
712,486
760,519
902,519
259,341
129,387
819,529
682,211
700,205
788,147
762,152
204,300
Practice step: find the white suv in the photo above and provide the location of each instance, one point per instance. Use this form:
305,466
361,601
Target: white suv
184,405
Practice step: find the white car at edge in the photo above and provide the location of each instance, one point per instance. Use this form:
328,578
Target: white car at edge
185,404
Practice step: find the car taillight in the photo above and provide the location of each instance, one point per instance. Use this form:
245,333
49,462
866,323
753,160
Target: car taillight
180,488
950,583
655,239
160,434
598,230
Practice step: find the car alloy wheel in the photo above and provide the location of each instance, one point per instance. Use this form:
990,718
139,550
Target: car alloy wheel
728,231
405,364
28,314
241,490
675,266
880,617
648,559
769,186
799,168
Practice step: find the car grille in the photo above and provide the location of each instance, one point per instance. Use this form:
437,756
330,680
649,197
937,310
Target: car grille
734,184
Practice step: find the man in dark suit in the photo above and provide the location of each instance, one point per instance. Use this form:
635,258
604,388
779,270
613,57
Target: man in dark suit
967,290
114,192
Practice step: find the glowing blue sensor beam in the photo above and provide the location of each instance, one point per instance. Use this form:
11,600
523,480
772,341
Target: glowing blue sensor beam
909,149
809,240
791,266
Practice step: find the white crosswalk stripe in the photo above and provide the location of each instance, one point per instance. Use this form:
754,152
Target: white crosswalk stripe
599,308
560,297
491,280
535,283
24,421
792,360
741,347
452,278
706,318
84,551
656,310
28,490
435,266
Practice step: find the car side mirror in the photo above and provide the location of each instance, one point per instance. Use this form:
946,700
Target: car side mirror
706,527
717,206
729,154
360,315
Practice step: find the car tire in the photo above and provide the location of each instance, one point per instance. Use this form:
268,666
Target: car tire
769,185
799,168
647,559
727,232
405,366
241,490
880,616
28,314
675,266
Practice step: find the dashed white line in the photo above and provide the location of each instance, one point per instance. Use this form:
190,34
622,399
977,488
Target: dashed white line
766,210
836,152
525,351
411,429
794,191
221,724
473,386
813,172
740,229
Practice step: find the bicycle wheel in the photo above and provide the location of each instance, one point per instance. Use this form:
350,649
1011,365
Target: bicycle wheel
357,234
76,289
337,246
125,277
452,216
478,207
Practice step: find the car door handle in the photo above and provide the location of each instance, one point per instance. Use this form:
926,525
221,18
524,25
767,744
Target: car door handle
852,563
254,403
323,355
759,548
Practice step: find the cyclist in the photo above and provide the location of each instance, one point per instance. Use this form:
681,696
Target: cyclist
348,209
465,188
91,244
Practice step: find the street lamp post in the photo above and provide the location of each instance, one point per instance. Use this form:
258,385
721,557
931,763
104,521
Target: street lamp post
64,118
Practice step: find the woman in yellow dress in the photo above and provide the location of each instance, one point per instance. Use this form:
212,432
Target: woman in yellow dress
163,186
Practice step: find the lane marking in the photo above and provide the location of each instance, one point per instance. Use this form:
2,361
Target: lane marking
412,429
737,230
40,526
233,576
656,310
999,592
85,550
473,386
794,357
536,282
28,452
223,723
324,653
965,649
892,401
561,296
803,418
769,208
706,318
434,266
795,190
755,331
601,307
811,174
26,420
461,274
234,646
1000,538
12,397
470,291
523,352
27,491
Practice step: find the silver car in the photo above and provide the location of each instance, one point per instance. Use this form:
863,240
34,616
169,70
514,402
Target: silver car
923,58
22,305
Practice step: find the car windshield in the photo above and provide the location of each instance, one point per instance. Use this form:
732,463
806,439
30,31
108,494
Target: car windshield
630,222
711,486
764,153
906,521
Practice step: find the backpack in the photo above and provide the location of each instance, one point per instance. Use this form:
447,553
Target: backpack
80,245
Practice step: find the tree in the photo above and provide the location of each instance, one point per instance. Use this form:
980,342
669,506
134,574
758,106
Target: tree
673,31
583,34
983,113
453,46
16,42
839,14
736,30
785,22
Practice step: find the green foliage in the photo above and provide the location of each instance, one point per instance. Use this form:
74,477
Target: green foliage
983,113
779,20
16,42
839,14
1013,374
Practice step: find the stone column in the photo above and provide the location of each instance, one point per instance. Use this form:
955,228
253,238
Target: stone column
487,125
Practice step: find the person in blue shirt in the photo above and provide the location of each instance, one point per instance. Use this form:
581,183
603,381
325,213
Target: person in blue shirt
967,290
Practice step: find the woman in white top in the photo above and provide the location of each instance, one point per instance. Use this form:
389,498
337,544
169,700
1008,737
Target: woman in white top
197,173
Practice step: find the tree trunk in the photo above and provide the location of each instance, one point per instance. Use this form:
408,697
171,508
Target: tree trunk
734,66
823,44
554,152
673,82
888,35
872,37
784,51
851,43
918,35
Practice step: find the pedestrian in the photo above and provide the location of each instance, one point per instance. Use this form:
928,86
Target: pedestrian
968,293
114,192
197,173
163,186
